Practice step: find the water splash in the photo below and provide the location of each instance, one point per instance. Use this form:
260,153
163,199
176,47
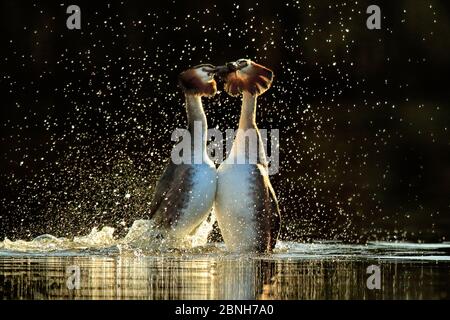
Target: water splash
142,238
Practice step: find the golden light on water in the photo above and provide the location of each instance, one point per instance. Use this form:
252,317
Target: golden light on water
168,277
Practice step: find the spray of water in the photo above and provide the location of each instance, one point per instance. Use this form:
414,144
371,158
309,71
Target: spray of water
102,148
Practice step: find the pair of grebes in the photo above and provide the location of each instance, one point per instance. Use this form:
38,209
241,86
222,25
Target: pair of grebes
244,201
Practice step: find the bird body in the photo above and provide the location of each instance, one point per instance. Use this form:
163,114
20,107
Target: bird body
246,208
188,200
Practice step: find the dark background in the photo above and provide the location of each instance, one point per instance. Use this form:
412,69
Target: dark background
86,115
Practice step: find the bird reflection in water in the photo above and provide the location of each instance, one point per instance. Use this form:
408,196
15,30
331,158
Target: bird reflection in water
207,277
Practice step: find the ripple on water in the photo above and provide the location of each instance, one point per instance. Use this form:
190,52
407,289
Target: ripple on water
143,240
143,266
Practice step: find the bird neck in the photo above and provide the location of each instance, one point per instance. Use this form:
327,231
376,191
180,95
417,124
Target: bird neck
197,124
248,145
248,112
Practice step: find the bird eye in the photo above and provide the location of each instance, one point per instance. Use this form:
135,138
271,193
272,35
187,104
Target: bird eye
242,63
209,70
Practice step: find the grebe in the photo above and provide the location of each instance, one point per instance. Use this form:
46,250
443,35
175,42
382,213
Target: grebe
246,206
185,192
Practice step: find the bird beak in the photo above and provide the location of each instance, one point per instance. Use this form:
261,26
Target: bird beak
223,71
229,67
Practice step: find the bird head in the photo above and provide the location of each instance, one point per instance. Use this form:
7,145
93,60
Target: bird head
245,75
199,80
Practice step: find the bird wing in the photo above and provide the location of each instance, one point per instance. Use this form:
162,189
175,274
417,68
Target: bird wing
275,213
171,194
270,216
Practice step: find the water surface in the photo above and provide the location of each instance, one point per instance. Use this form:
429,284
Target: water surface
325,270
